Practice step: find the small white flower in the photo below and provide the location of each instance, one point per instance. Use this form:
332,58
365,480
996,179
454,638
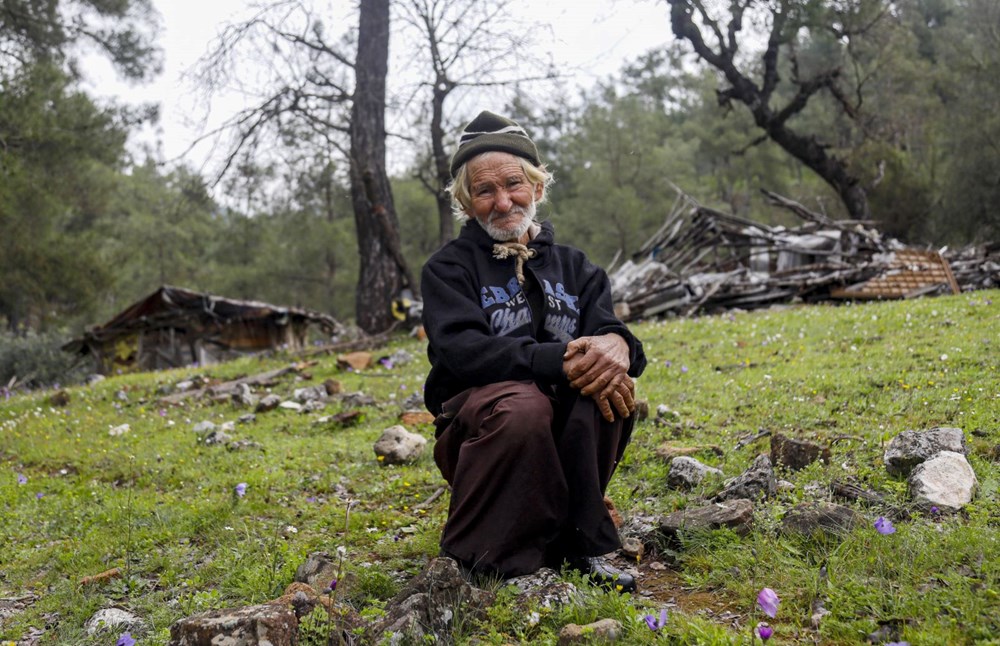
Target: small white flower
533,619
341,551
291,529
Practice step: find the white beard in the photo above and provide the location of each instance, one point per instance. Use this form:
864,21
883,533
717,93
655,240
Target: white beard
505,235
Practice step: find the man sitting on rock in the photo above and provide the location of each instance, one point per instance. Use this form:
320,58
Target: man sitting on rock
531,373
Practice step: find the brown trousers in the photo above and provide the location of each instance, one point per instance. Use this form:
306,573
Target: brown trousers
528,471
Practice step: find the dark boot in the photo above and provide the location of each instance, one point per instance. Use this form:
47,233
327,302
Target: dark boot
603,573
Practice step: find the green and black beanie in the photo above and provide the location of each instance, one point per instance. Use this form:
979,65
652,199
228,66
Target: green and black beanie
489,132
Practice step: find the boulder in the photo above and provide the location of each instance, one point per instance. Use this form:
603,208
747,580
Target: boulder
910,448
602,631
317,571
825,518
734,514
795,453
687,473
243,396
273,624
544,589
399,446
945,481
112,620
756,482
268,403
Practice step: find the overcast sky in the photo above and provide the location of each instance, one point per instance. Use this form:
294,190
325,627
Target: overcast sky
594,37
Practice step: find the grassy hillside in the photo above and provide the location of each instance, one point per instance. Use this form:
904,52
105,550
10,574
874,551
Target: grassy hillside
80,495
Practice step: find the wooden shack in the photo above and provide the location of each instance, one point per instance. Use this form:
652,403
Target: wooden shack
175,327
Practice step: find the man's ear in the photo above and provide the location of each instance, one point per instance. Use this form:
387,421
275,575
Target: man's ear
539,191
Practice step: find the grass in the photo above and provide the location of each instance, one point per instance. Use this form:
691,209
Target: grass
160,505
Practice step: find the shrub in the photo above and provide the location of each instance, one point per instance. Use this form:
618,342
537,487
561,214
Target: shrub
36,360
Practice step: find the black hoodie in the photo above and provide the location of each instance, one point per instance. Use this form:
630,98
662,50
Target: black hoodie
481,328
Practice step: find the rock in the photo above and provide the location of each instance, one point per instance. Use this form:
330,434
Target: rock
243,396
332,387
946,481
94,378
734,514
355,360
121,429
756,482
416,417
241,445
268,403
248,418
616,518
59,398
910,448
204,428
357,400
632,548
272,624
121,396
641,410
795,453
112,620
427,607
605,630
398,446
217,437
686,473
414,402
310,393
314,405
317,571
669,451
820,517
544,589
290,405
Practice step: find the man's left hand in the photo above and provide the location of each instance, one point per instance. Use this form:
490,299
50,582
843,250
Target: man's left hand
597,365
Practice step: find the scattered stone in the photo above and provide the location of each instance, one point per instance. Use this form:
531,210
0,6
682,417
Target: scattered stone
632,548
119,430
357,400
310,393
416,417
756,482
290,405
669,451
826,518
317,571
785,485
544,589
59,398
187,384
112,619
121,396
314,405
910,448
605,630
11,606
355,360
641,410
217,436
273,624
994,453
94,378
204,428
414,402
248,418
343,420
796,454
946,481
268,403
426,608
734,514
687,473
333,387
399,446
243,396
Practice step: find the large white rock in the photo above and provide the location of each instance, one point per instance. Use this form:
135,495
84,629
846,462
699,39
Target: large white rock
687,473
397,445
910,448
946,481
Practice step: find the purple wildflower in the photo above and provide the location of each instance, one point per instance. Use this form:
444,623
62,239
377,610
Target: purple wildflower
655,625
764,631
39,495
768,601
311,499
125,640
241,489
386,362
668,363
684,368
22,479
332,586
884,526
935,510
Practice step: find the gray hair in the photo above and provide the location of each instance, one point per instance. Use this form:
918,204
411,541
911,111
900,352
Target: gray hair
461,199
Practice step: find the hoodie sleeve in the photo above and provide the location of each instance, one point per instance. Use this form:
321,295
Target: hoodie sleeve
598,315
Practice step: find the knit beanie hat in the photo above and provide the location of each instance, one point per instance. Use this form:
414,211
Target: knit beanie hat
489,132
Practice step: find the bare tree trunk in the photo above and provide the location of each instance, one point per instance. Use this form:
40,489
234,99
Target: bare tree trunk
383,269
442,163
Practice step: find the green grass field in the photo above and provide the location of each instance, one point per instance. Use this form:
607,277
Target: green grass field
76,500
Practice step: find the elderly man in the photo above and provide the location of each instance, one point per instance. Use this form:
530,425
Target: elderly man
531,373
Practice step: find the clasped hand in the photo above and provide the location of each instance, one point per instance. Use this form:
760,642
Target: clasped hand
597,366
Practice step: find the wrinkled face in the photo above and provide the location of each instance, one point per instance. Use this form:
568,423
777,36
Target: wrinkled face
503,200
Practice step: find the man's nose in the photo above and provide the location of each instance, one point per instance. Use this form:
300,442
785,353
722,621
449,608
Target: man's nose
502,201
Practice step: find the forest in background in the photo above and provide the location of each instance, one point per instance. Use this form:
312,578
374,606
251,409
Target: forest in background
909,108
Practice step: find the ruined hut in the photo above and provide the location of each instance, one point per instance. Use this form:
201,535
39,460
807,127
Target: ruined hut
175,327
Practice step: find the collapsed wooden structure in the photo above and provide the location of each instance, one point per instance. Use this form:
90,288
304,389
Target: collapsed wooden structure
175,327
703,260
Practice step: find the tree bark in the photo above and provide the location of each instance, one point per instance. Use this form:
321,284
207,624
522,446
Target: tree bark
383,271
